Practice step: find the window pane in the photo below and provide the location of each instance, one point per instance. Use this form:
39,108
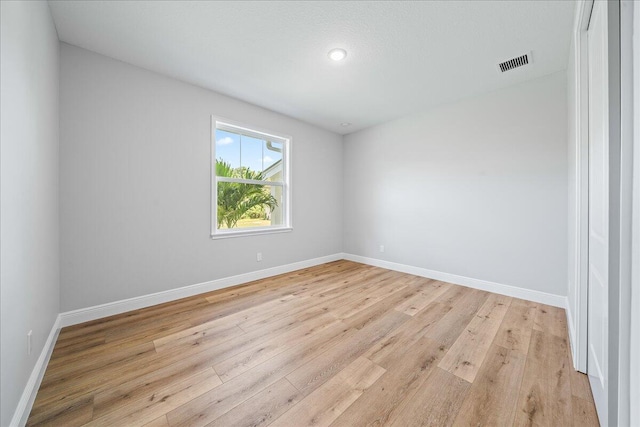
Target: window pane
249,205
228,148
254,155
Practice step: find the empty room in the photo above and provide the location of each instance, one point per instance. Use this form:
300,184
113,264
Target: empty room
320,213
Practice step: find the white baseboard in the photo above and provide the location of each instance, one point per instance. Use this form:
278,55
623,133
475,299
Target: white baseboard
30,391
109,309
484,285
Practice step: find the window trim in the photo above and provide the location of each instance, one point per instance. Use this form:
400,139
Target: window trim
221,123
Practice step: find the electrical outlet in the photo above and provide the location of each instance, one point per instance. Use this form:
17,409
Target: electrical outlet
381,248
29,342
259,256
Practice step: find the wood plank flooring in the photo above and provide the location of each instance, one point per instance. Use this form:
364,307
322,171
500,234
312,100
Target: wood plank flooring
341,344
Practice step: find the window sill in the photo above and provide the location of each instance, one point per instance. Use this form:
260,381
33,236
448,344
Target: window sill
253,232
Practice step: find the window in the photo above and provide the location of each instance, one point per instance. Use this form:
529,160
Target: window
250,174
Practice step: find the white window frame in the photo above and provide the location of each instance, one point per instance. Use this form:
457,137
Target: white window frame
252,131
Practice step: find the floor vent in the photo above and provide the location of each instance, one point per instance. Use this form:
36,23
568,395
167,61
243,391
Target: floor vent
512,63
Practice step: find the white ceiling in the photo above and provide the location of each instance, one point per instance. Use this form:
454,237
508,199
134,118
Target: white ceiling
403,57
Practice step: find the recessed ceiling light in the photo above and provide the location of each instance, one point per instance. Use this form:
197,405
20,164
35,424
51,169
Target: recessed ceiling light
345,124
337,54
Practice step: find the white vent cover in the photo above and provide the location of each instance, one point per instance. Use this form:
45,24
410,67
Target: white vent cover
517,62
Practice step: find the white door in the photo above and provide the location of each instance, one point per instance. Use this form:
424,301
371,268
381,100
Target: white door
598,323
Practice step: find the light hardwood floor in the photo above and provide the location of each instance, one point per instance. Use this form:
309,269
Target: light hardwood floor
341,344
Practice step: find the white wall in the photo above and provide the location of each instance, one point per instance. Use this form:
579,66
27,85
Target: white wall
477,188
135,184
29,191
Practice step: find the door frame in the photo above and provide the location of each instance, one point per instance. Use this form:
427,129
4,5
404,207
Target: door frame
634,329
578,325
619,253
629,337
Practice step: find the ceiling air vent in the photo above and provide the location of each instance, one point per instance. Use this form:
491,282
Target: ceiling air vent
512,63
